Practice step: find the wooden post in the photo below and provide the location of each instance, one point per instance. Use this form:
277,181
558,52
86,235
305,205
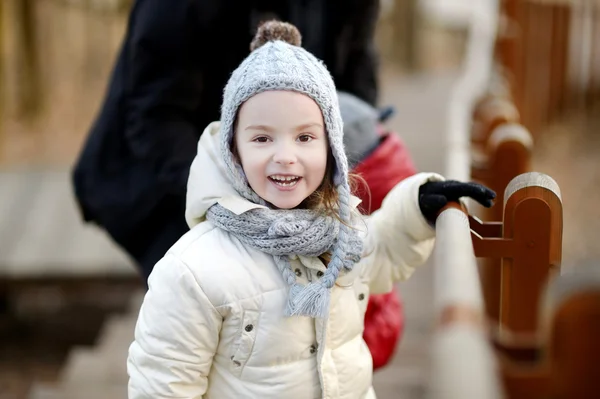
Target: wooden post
572,326
509,149
530,249
2,71
404,23
532,54
506,156
489,113
29,90
507,42
594,89
511,52
533,219
567,341
560,53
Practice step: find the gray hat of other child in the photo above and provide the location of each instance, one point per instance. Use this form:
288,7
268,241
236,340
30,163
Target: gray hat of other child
360,127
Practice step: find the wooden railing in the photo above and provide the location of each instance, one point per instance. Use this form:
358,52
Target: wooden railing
498,157
561,361
549,52
471,349
511,326
528,241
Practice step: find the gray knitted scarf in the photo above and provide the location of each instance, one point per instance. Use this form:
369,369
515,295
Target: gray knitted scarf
301,232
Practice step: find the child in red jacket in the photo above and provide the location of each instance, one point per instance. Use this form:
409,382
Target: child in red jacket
382,160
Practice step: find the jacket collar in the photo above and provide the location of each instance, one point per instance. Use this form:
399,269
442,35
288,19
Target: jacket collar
239,205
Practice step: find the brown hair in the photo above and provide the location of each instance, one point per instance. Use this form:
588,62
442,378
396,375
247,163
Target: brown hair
326,197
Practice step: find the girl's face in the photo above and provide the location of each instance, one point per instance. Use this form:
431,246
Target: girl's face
282,145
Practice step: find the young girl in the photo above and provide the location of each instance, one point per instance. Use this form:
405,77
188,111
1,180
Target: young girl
265,296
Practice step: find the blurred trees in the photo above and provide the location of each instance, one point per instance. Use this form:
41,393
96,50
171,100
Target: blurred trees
28,89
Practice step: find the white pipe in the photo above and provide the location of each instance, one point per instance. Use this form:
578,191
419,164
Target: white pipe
463,361
472,83
456,278
463,366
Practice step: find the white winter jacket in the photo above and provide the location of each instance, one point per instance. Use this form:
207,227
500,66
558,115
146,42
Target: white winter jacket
212,325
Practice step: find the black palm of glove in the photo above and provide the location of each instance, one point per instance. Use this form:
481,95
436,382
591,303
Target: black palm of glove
434,195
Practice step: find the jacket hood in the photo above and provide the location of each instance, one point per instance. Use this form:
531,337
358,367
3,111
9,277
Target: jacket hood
208,182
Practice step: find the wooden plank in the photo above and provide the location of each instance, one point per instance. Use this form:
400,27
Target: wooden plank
571,317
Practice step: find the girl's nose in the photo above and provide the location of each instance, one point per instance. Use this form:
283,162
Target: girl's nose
284,154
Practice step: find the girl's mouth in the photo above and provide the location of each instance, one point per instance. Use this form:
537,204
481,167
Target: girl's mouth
285,181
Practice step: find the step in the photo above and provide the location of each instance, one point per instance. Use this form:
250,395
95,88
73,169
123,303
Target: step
92,391
106,363
87,366
101,370
42,234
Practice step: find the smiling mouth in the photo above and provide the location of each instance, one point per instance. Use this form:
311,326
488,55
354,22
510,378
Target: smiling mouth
285,181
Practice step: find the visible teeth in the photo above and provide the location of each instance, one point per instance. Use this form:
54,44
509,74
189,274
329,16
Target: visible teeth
285,181
284,178
286,184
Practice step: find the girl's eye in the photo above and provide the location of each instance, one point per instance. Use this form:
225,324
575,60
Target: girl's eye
261,139
304,138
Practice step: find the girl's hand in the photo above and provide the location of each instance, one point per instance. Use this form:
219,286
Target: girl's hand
434,195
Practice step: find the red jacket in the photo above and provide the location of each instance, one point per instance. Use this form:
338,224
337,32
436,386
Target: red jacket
387,165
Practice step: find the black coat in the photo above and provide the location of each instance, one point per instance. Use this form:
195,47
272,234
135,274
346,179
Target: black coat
167,87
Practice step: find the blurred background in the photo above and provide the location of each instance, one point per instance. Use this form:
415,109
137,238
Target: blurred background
69,296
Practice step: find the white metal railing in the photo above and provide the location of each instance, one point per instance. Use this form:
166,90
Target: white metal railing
463,364
462,359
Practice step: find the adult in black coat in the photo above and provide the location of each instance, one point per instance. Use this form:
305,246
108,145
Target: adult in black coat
167,86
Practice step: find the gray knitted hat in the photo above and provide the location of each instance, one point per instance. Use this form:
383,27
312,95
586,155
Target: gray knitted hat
360,127
279,65
277,62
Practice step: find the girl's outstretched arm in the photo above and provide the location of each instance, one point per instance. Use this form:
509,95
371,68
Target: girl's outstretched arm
176,336
398,237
